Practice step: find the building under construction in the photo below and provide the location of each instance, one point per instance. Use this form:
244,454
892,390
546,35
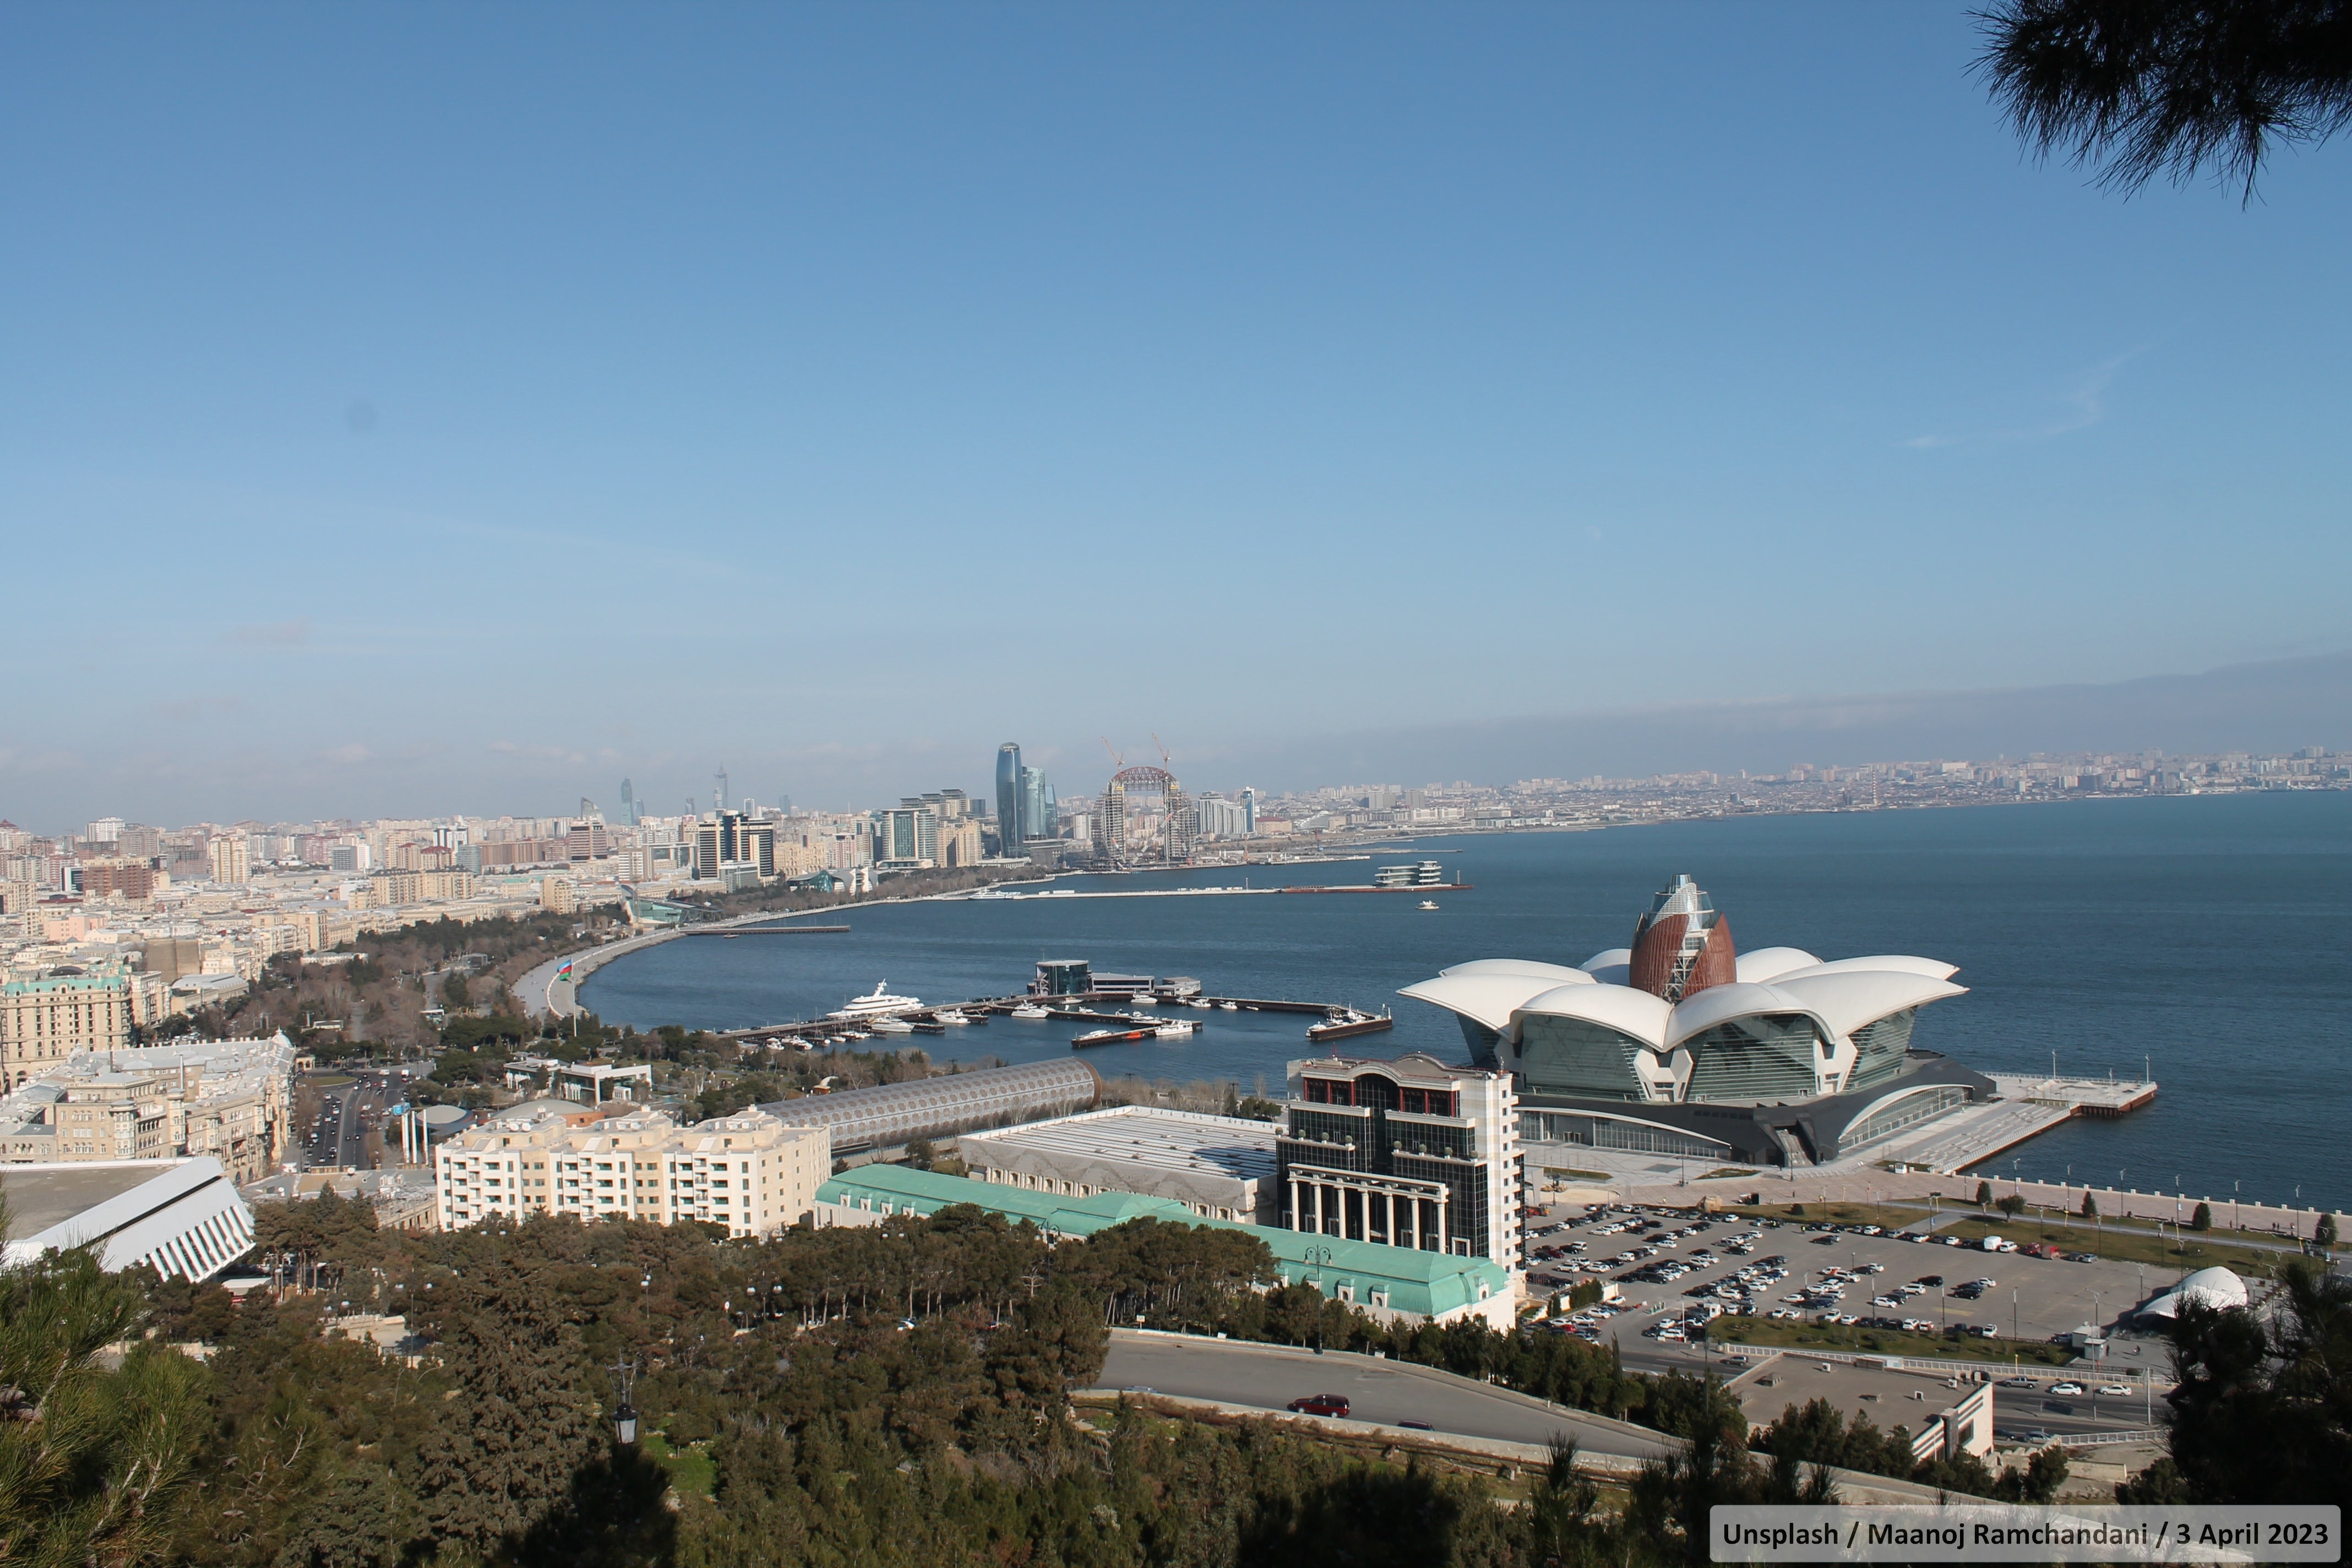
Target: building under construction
1180,819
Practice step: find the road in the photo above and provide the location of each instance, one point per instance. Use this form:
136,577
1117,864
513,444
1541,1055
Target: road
337,1138
1269,1377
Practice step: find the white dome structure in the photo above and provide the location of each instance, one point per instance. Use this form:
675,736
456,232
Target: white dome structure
1680,1019
2215,1288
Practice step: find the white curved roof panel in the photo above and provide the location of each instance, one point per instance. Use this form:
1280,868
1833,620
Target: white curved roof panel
1767,963
1607,958
1847,999
1558,974
1487,999
1901,963
1620,1007
1722,1004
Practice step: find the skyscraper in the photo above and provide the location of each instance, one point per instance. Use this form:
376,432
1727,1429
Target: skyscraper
1008,797
628,804
1036,805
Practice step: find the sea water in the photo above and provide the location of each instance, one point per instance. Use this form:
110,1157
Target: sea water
2207,940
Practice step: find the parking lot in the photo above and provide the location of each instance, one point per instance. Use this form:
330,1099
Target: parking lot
1677,1269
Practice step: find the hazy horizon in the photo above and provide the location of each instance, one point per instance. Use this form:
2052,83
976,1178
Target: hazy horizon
2271,707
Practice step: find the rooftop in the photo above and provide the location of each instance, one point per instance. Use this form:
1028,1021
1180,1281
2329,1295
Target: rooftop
1174,1140
1428,1283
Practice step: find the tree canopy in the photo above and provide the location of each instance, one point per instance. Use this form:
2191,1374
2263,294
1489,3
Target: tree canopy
2142,88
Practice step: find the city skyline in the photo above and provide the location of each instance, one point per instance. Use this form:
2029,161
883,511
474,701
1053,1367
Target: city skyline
451,405
2274,709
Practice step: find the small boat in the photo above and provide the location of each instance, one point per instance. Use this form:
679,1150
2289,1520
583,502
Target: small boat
1030,1010
930,1026
949,1017
892,1027
1110,1038
1176,1028
1340,1025
1429,903
1231,1007
1202,1003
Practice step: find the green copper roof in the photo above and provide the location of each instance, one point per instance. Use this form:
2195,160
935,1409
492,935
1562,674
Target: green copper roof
1429,1284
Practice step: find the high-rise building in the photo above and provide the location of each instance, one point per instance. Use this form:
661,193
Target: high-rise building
1010,824
731,838
906,837
1249,811
105,830
1036,805
230,862
628,804
1408,1152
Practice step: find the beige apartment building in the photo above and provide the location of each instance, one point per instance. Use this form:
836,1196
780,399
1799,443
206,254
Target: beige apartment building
748,1172
46,1020
113,1116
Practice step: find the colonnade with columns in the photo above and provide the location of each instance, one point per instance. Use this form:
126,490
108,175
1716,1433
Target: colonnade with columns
1417,1215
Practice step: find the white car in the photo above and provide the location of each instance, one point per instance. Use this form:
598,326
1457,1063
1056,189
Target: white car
2066,1388
2113,1391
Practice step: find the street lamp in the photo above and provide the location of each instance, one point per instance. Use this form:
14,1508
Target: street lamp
625,1414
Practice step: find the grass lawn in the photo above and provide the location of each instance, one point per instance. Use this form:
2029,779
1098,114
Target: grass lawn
2124,1244
1884,1342
691,1469
1565,1175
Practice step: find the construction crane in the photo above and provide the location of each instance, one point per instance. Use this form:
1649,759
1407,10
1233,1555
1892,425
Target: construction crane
1117,763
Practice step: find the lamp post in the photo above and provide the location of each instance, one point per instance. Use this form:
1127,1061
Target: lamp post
624,1413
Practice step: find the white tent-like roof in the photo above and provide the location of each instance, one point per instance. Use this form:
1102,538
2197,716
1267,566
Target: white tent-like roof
2215,1288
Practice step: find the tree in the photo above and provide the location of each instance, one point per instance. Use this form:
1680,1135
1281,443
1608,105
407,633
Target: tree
90,1455
2090,1206
2264,1410
453,989
2323,1233
2012,1206
2170,86
2201,1218
504,1452
1984,1195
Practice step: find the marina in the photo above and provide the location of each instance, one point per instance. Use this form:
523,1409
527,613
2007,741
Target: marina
2196,887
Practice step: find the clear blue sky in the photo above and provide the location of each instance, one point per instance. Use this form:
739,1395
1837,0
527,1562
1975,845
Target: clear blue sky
435,407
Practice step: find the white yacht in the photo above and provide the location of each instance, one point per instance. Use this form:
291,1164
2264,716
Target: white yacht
892,1027
950,1018
1030,1010
1175,1028
877,1004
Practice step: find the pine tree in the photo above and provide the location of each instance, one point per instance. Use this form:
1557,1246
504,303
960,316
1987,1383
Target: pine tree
506,1448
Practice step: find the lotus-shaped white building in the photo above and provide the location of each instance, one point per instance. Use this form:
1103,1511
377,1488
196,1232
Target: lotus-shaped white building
1681,1044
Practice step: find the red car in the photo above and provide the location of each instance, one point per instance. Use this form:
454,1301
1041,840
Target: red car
1321,1405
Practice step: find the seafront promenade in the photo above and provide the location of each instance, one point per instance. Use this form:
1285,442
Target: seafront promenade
1956,1194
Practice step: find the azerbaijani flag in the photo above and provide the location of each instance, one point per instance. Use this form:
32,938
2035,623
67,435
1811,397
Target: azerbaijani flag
564,972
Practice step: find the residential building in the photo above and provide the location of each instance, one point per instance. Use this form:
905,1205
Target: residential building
115,877
555,896
46,1020
229,857
748,1172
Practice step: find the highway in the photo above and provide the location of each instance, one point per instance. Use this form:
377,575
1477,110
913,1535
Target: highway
1269,1377
337,1138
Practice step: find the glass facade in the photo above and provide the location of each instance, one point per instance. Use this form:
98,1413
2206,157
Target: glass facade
1570,1056
1009,828
1879,1047
1762,1059
1607,1133
1908,1112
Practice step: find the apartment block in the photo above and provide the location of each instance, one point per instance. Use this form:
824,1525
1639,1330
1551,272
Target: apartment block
749,1173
